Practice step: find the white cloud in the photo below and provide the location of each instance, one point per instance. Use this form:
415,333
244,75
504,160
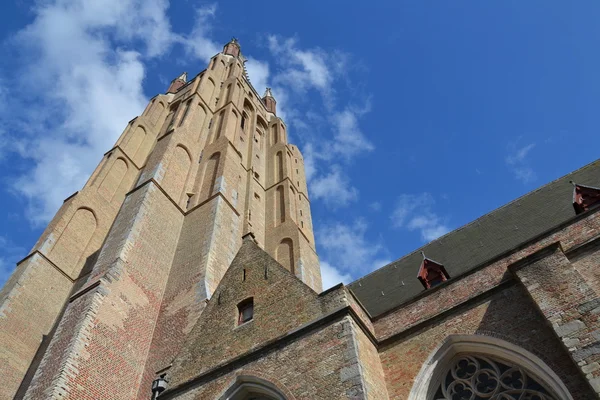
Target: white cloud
348,139
198,42
414,213
518,163
303,69
79,58
333,188
258,72
299,70
348,248
331,276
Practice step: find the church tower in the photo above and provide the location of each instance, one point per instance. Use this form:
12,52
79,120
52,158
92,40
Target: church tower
121,274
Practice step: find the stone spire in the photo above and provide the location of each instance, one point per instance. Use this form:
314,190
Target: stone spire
269,101
177,83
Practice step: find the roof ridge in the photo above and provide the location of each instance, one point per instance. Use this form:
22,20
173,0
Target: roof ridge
421,248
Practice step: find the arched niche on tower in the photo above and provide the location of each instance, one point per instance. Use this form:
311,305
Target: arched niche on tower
227,94
279,203
274,134
487,368
209,179
207,90
134,141
113,179
285,254
218,127
261,131
292,202
200,120
247,121
175,179
156,110
71,248
279,168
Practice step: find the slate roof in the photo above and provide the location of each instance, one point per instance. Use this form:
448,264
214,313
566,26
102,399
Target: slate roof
477,242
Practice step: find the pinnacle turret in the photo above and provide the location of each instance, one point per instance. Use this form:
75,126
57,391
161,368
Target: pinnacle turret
177,83
232,48
269,101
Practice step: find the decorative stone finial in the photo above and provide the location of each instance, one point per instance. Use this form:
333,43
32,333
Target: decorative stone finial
268,93
183,77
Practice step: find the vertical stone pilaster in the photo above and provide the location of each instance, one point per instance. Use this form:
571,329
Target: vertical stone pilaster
568,303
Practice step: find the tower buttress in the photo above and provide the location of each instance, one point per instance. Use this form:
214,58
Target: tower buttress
205,163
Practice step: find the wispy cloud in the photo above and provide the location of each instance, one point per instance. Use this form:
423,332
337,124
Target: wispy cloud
331,276
86,63
414,212
301,70
347,252
375,206
517,161
334,188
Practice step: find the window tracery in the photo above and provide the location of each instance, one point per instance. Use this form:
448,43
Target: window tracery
471,377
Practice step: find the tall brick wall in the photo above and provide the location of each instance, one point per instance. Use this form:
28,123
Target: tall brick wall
205,150
33,298
109,326
509,315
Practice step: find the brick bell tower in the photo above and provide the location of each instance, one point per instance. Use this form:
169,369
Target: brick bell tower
108,294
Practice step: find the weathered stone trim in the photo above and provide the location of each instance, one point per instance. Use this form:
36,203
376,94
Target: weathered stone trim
70,197
473,301
49,262
151,180
209,199
266,347
575,253
85,290
126,155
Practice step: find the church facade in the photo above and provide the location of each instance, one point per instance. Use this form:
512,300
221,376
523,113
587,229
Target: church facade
186,268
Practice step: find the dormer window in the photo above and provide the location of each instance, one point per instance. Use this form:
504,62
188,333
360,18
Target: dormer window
585,197
245,311
431,273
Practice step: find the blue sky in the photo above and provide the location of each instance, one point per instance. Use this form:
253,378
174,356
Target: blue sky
415,117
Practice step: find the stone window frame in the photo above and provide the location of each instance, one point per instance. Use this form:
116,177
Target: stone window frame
245,306
244,385
435,367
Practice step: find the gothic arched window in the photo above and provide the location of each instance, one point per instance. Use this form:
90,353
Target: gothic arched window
476,367
477,377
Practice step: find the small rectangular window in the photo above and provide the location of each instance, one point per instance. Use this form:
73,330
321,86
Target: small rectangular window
245,311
